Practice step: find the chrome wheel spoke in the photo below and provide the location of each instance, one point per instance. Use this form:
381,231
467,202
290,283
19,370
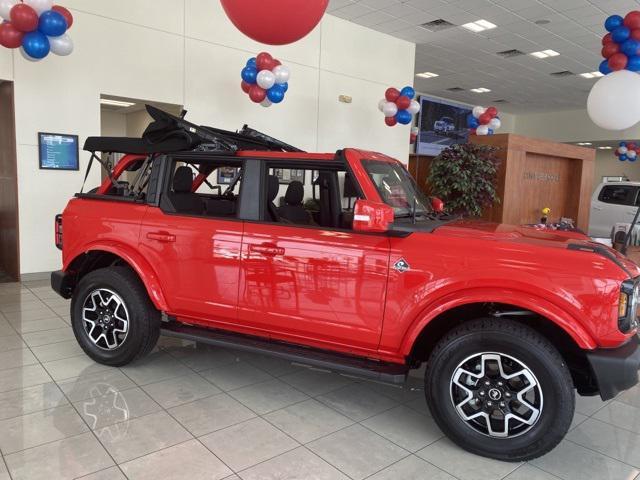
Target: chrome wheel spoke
105,319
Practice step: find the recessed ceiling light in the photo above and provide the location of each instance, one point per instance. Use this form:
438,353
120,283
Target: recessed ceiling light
545,54
480,90
426,75
592,74
116,103
479,26
584,143
605,148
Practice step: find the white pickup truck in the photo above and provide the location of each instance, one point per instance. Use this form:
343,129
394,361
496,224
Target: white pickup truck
611,203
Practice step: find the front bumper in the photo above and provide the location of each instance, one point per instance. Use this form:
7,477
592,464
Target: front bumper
62,283
616,369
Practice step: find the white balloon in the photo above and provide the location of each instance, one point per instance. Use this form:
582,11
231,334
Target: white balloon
40,5
614,100
632,154
266,103
265,79
414,107
389,109
482,130
5,8
62,45
282,74
382,103
477,111
622,150
495,123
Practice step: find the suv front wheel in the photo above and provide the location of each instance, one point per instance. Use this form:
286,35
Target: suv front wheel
112,317
499,389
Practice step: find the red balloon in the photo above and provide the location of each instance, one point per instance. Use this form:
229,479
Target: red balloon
472,131
635,34
485,118
10,36
403,102
631,146
245,86
607,39
276,62
257,93
632,19
390,121
24,18
275,22
264,61
65,13
392,94
610,49
617,61
493,111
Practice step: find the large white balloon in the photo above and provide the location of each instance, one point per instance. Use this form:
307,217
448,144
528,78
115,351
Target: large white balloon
5,8
614,101
282,74
631,154
40,5
482,130
622,150
62,45
390,109
477,111
266,79
414,107
495,123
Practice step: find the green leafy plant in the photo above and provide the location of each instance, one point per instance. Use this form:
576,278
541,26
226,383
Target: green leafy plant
464,176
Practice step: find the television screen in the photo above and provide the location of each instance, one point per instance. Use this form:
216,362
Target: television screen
441,123
58,151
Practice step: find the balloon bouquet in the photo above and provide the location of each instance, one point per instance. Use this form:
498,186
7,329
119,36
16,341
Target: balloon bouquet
37,26
399,106
483,121
265,79
627,151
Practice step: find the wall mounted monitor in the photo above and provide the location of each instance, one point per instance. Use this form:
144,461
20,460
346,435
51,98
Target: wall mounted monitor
441,123
58,151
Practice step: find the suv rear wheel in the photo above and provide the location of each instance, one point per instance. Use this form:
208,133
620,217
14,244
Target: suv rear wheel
499,389
112,317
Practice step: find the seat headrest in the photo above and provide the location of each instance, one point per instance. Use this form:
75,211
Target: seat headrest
295,193
183,180
349,187
273,187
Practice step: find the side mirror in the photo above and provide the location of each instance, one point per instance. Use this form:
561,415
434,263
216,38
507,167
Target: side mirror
372,216
437,205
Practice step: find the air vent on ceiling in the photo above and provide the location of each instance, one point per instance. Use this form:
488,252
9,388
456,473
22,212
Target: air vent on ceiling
563,73
437,25
500,100
510,53
455,89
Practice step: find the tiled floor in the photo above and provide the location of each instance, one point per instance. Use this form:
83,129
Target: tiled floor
193,412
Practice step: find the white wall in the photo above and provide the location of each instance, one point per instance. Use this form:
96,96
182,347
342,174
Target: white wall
188,53
607,164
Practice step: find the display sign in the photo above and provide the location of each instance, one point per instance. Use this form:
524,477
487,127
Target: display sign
58,151
442,123
288,175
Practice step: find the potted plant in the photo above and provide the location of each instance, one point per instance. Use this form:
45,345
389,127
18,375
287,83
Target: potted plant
464,176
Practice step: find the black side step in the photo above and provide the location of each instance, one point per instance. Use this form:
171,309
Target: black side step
306,356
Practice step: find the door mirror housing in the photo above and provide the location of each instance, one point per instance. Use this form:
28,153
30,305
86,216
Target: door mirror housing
372,216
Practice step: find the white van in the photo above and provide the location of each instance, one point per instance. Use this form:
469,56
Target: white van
612,203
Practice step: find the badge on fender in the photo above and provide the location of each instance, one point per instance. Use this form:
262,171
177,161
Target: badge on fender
401,265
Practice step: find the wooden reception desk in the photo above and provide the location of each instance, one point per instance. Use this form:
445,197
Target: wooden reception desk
533,174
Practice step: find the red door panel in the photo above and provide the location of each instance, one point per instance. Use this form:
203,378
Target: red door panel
320,285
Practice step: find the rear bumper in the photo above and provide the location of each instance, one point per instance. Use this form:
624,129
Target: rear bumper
616,369
62,283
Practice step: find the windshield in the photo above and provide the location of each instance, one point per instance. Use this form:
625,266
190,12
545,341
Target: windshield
397,188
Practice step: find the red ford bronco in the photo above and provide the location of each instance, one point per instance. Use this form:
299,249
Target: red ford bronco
338,261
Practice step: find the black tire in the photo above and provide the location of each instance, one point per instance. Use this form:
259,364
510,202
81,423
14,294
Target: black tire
532,350
144,319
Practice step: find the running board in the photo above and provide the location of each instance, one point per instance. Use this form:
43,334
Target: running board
304,356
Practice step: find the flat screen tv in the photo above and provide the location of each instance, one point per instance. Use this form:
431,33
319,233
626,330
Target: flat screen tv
58,151
441,123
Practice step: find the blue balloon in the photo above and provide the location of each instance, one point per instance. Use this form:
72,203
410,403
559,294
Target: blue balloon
408,92
613,22
52,23
249,74
490,131
630,47
632,159
604,67
36,45
620,34
403,117
472,122
276,93
622,157
252,62
285,86
622,144
633,63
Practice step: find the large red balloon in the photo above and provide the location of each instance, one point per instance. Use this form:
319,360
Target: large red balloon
65,13
275,22
610,49
632,20
617,61
10,36
392,94
485,118
493,111
403,102
264,61
257,93
24,18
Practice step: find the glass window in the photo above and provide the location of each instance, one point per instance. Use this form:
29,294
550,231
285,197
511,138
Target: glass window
619,194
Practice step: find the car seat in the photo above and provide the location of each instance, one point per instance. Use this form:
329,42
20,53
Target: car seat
292,210
182,198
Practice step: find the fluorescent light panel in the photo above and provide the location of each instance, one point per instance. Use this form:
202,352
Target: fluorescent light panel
116,103
479,26
427,75
584,143
545,54
592,74
480,90
605,148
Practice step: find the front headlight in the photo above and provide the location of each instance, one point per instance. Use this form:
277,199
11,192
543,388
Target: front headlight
628,305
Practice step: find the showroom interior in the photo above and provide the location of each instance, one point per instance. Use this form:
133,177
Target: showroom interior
400,214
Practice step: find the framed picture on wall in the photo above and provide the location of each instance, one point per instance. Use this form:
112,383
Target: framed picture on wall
58,151
288,175
226,175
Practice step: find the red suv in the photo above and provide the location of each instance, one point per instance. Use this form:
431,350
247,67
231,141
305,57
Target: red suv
338,260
